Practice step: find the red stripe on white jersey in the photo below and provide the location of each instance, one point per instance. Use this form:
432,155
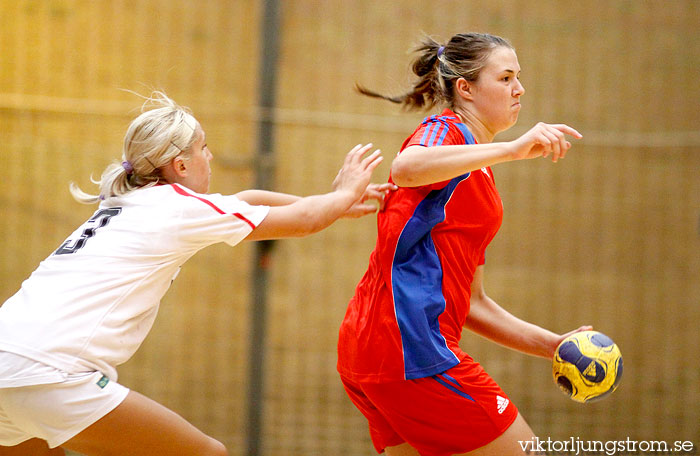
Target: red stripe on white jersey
183,192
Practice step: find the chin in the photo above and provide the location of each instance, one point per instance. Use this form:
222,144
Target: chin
506,126
512,121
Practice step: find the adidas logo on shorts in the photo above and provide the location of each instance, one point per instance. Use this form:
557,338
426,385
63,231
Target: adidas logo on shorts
502,404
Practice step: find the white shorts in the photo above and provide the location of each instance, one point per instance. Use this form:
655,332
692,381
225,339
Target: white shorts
56,412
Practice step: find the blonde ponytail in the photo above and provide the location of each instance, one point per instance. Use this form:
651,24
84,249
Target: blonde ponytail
152,141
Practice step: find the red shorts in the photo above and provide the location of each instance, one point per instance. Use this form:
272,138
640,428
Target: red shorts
456,411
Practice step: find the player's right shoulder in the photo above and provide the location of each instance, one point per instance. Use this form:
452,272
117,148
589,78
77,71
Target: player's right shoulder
198,200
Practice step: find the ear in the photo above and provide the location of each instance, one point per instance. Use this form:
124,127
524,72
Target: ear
464,89
179,167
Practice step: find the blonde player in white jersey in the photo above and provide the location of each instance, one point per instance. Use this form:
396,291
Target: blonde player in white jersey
90,304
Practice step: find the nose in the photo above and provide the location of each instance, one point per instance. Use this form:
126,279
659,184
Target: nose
518,90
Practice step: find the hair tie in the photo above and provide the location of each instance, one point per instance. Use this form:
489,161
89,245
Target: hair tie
128,167
441,49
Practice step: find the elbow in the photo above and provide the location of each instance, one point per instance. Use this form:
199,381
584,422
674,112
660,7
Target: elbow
408,169
478,297
478,305
401,173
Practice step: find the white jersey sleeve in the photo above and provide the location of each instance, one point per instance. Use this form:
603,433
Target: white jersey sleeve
207,219
91,303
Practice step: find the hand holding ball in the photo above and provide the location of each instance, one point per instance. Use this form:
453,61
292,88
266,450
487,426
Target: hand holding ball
587,366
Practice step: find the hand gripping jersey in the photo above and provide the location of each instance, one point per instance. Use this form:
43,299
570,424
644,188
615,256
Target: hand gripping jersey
91,303
406,317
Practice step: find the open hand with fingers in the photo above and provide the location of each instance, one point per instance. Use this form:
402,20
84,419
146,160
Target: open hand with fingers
357,170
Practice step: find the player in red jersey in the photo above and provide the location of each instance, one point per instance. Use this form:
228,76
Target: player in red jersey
398,353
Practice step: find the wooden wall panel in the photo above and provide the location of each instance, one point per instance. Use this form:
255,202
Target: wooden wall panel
609,236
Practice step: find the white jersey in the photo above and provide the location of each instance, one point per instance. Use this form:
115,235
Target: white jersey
91,303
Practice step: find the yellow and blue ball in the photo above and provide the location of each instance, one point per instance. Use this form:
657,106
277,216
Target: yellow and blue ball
587,366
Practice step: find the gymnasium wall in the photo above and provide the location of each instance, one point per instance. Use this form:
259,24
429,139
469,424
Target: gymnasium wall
610,236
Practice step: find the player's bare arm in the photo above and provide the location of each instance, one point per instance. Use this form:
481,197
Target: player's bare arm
493,322
419,165
313,213
266,198
375,192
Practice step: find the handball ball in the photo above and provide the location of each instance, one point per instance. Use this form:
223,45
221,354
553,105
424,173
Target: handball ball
587,366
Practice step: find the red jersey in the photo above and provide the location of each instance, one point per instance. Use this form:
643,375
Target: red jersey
406,317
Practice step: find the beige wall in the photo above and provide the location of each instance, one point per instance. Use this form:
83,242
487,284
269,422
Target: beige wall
610,236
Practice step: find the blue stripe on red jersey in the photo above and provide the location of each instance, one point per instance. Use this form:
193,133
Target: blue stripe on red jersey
468,137
435,134
426,133
417,273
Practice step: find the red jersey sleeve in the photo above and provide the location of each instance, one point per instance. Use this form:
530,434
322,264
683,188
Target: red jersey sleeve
436,131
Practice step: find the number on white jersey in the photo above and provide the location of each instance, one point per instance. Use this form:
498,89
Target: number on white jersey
100,219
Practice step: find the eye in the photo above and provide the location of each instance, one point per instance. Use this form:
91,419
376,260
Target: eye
506,78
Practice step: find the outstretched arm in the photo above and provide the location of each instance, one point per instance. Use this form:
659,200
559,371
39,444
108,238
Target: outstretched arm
308,215
360,208
493,322
266,198
418,165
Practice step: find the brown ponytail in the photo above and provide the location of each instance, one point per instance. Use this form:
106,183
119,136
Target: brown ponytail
438,67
